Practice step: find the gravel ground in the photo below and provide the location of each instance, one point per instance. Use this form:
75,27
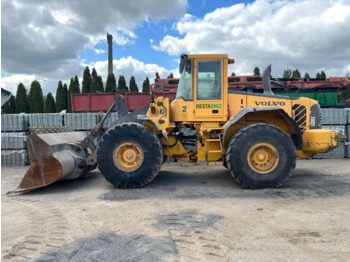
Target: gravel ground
188,213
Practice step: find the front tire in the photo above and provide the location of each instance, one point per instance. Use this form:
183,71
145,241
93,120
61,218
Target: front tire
261,156
129,155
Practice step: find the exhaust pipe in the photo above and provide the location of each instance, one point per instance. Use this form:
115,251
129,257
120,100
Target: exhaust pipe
53,157
266,80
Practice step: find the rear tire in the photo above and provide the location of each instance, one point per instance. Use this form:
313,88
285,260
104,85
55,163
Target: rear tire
129,155
261,156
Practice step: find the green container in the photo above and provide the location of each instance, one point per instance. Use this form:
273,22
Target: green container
326,98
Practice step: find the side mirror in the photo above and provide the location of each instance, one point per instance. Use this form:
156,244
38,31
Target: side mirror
182,63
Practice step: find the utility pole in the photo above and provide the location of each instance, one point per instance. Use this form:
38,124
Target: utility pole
110,53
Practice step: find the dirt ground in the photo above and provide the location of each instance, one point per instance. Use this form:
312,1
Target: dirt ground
188,213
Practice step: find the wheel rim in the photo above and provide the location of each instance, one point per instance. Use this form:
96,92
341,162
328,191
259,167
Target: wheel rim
263,158
128,156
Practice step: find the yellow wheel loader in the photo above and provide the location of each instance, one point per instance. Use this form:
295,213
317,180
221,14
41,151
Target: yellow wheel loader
257,136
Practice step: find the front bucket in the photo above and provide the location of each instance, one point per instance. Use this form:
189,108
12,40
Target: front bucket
53,157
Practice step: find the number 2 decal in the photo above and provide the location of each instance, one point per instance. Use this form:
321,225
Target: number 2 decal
184,109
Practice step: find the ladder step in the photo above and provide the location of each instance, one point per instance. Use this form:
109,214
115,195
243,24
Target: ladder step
214,151
214,163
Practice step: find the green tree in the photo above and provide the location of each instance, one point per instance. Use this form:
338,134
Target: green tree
111,84
73,89
77,83
307,76
100,87
50,106
65,90
171,75
93,83
157,75
145,85
10,106
256,71
86,80
21,102
132,85
122,84
36,98
60,98
296,74
323,75
287,73
233,74
318,75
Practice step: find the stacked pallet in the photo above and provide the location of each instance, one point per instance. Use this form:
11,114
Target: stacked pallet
81,121
14,129
347,131
110,119
45,120
337,119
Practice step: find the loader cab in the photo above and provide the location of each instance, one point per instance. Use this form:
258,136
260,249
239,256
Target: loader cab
202,93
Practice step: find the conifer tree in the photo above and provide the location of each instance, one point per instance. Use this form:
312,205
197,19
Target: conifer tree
145,85
65,89
100,87
21,102
256,71
77,84
157,75
323,75
287,73
93,83
10,106
60,98
122,84
73,89
50,104
111,84
86,80
132,85
307,76
36,98
233,74
296,74
171,75
318,75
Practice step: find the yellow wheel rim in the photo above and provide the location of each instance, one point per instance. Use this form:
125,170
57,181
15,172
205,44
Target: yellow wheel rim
128,156
263,158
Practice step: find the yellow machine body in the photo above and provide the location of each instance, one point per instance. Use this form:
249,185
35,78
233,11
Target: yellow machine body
217,119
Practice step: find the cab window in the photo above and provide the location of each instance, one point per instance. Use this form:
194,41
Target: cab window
209,80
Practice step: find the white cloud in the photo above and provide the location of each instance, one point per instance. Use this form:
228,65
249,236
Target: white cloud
41,37
129,66
306,34
10,83
99,51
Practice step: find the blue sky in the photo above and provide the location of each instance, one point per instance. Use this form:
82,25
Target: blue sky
141,48
54,40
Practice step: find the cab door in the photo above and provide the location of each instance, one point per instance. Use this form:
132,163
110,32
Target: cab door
209,103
